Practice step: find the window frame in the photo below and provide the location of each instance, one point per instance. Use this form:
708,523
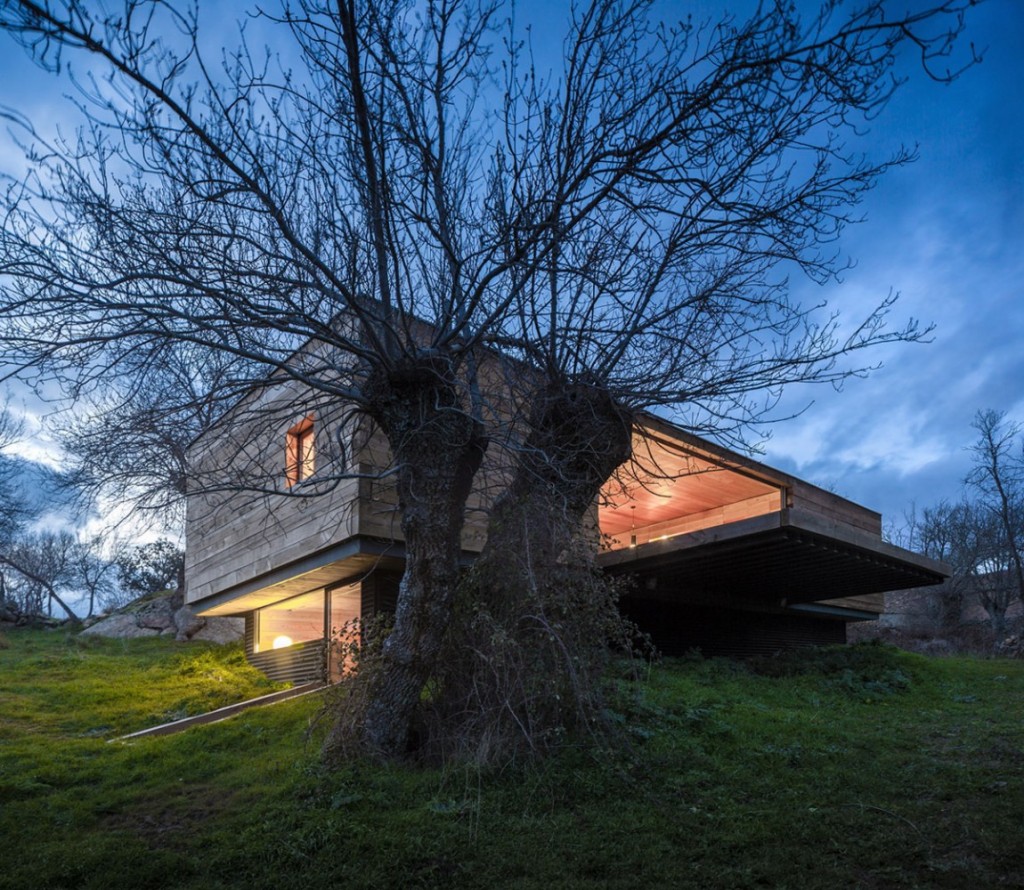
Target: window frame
300,451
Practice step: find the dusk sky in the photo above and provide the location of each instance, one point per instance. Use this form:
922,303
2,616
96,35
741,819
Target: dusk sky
947,233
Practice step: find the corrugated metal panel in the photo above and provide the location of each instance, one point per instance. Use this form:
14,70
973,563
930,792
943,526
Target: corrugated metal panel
250,634
301,663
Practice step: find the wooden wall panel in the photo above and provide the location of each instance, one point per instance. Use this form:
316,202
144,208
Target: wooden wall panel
243,519
832,507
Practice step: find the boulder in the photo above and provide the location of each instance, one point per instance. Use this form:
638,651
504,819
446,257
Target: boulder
187,624
155,619
122,625
221,630
158,612
936,647
1011,647
164,614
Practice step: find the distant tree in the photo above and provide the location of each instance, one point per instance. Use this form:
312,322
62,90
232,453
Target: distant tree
963,536
981,536
147,568
369,215
94,574
998,479
14,505
39,571
127,443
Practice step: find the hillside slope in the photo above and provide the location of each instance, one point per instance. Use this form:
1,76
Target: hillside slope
862,767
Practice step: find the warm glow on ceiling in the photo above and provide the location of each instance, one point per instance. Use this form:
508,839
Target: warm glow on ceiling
672,488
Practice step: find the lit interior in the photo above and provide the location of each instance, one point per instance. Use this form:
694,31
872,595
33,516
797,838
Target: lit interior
345,608
300,456
346,605
295,620
671,490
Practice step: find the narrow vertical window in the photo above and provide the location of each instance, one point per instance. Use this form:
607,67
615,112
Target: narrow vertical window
300,457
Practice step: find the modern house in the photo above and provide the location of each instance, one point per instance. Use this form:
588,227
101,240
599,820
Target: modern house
729,555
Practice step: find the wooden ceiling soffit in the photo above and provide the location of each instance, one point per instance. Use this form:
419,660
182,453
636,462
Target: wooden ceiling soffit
351,559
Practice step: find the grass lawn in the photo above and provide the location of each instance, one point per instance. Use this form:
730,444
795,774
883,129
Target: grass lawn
863,767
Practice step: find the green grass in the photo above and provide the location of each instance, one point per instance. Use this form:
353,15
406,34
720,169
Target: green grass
859,768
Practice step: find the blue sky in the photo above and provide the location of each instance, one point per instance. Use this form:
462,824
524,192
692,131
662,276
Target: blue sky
947,233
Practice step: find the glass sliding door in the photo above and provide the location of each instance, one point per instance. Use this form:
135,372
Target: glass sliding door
296,620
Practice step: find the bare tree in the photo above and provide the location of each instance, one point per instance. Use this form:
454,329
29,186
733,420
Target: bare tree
981,536
998,478
15,506
39,569
318,222
94,574
964,536
127,444
373,213
678,168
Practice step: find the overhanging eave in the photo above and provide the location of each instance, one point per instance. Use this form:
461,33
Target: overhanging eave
349,559
785,557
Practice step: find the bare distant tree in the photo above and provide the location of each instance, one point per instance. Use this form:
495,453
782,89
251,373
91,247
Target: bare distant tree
965,536
998,478
981,536
403,191
39,570
94,574
15,507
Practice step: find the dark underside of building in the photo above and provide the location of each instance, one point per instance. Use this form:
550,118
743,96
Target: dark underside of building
759,586
749,588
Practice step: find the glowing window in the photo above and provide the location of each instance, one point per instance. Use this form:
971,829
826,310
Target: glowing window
300,456
297,620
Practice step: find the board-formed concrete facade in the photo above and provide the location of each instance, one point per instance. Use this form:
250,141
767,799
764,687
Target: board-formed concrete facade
294,525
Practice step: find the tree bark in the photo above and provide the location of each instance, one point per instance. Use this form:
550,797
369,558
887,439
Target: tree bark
578,436
528,652
437,446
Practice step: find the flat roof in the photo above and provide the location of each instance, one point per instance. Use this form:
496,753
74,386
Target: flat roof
790,556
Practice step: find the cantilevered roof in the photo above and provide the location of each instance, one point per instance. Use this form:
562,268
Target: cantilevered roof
350,559
789,556
668,486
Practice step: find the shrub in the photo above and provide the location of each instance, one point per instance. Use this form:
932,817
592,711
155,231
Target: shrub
868,669
357,646
524,671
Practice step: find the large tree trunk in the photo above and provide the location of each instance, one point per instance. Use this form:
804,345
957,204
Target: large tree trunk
437,447
528,649
577,437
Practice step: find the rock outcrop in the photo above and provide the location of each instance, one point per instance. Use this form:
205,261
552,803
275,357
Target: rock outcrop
166,614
